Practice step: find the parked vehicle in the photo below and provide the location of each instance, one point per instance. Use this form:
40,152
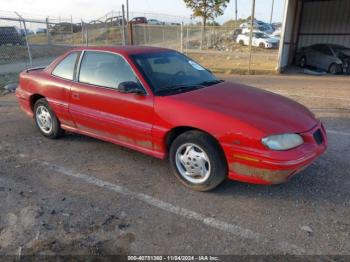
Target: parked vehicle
65,28
115,21
30,32
247,30
10,35
259,39
139,20
329,57
236,33
154,22
277,26
277,33
41,31
164,104
259,26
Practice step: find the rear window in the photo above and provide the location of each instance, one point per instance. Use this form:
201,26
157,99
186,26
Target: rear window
65,69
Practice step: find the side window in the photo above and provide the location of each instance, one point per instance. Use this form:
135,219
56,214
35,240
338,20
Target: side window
105,69
65,69
317,48
326,50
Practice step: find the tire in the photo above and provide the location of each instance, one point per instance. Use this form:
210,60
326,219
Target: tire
46,120
241,42
262,45
205,156
302,62
334,69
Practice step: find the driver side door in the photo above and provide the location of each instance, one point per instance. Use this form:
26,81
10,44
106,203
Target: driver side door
100,110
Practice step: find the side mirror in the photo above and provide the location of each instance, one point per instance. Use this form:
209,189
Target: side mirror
130,87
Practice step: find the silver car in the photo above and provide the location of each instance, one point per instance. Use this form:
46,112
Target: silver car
329,57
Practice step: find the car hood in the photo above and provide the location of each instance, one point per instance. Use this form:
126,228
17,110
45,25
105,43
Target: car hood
345,52
265,111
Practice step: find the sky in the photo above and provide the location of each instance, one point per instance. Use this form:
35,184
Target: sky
89,10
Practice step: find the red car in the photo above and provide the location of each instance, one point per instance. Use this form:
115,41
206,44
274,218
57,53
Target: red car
164,104
139,20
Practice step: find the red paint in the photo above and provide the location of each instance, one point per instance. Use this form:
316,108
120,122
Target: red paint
237,116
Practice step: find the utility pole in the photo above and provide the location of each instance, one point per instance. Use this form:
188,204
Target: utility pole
251,34
273,3
127,11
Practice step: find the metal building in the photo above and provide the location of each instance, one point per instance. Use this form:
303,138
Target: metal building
308,22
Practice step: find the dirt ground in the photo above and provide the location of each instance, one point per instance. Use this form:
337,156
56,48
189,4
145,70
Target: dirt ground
79,195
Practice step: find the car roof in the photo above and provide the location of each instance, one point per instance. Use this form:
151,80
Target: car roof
125,50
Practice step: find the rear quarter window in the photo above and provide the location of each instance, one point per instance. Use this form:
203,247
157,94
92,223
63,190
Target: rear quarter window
65,69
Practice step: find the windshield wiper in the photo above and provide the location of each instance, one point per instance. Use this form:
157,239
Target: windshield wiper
211,82
179,88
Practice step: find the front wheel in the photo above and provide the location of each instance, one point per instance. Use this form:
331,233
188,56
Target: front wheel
334,69
198,161
46,119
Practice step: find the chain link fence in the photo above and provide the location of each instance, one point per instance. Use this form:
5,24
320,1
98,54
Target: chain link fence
36,42
216,47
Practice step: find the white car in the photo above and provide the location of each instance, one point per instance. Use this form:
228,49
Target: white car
277,33
259,39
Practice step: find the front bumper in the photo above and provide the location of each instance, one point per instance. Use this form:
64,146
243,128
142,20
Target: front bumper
275,167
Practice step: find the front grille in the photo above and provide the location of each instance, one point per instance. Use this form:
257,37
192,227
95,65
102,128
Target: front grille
318,137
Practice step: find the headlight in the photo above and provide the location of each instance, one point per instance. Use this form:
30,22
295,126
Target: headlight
282,142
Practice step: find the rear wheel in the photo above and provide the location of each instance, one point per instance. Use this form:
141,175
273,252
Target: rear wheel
198,161
241,42
46,119
302,62
262,45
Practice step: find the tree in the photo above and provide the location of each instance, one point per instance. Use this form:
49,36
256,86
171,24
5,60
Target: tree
207,9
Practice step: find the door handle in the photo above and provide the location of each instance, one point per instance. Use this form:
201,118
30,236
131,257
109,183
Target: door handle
75,96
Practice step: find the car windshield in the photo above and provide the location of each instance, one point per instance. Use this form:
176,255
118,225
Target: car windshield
171,72
339,49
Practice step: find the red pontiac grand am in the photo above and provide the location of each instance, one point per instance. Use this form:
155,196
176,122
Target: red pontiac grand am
162,103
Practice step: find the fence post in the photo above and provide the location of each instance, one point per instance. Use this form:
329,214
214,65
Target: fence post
86,34
107,29
202,37
72,29
182,37
26,38
123,24
48,31
187,39
82,31
130,34
251,35
144,34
